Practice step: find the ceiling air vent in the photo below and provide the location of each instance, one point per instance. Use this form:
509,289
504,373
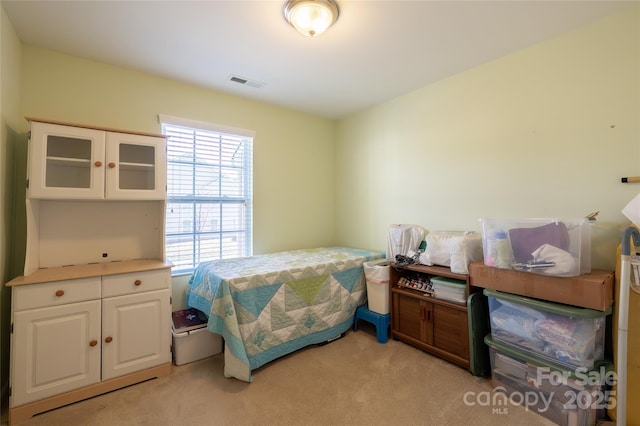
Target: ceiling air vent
246,81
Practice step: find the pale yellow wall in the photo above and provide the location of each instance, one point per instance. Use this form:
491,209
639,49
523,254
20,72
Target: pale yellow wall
10,51
545,132
293,152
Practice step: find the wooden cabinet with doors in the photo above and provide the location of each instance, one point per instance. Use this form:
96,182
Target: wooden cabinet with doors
438,326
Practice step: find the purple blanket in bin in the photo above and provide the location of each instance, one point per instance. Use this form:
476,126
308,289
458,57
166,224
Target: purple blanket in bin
524,241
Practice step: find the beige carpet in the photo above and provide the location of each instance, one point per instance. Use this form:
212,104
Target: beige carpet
351,381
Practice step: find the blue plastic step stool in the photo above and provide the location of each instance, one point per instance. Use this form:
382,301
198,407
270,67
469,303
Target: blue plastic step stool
381,321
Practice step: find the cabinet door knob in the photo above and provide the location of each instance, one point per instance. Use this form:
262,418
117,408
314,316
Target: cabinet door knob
108,339
138,282
60,293
112,165
93,342
98,163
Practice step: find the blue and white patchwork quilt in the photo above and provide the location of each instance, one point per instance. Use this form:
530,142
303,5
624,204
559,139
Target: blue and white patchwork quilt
267,306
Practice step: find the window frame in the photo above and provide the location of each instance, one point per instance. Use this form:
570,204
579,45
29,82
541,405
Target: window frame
186,264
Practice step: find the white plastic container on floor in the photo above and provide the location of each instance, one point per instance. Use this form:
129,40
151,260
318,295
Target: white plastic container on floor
376,274
195,345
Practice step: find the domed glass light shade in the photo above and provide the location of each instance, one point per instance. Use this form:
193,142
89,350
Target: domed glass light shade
311,17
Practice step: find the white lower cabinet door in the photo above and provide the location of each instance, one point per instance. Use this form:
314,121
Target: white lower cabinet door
136,332
54,350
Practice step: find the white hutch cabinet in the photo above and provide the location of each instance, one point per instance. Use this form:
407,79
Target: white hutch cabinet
92,312
85,163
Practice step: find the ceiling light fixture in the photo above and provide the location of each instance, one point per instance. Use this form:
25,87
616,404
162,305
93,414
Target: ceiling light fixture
311,17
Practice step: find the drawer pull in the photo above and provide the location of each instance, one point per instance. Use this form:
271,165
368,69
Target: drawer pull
60,293
93,342
112,165
108,339
138,282
98,163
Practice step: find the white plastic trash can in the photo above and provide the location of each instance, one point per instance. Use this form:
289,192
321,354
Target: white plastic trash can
376,274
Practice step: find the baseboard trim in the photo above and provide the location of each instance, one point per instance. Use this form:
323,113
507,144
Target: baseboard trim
25,412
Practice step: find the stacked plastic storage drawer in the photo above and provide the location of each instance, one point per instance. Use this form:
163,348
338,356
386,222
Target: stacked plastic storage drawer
568,398
550,354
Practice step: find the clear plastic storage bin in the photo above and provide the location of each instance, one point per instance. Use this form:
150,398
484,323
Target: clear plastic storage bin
569,336
559,395
557,247
449,289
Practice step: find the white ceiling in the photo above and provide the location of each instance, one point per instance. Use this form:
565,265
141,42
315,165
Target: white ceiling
377,50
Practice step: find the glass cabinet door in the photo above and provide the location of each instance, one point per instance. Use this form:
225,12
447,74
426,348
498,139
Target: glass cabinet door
66,162
136,167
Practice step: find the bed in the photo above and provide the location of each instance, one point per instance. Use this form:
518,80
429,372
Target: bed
270,305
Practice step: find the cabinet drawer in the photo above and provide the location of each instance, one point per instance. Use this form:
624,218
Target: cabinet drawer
55,293
135,282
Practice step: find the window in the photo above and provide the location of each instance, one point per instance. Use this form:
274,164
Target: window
209,192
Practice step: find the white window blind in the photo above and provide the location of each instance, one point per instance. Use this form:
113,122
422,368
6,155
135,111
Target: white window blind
209,192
